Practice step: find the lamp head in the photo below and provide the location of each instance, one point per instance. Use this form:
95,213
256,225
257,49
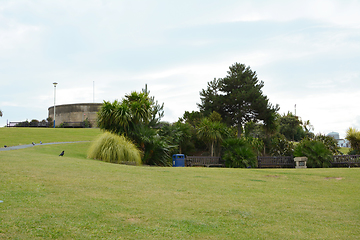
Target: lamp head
55,83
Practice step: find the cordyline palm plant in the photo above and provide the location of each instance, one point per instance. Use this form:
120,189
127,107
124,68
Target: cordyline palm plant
212,133
139,105
114,117
134,117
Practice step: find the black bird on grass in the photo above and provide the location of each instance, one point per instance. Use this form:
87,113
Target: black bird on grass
5,146
62,154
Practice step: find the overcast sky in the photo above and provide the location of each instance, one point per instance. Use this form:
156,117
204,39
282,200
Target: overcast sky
306,52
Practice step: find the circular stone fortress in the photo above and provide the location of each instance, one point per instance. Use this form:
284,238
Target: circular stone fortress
75,113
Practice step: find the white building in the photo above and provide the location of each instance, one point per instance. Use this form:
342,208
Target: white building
340,142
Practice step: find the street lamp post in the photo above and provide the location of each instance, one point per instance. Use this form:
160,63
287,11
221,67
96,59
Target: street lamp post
55,83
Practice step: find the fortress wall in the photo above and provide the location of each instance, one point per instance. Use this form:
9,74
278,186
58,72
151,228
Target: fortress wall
75,113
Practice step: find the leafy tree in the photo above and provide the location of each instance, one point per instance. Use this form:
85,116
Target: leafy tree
290,127
238,153
316,151
1,113
353,136
50,122
34,123
215,117
238,98
193,118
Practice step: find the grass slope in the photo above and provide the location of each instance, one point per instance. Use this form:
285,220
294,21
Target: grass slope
50,197
22,136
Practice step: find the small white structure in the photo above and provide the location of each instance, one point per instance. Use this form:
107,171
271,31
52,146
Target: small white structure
340,142
300,162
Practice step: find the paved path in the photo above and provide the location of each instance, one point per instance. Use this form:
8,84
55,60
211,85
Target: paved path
31,145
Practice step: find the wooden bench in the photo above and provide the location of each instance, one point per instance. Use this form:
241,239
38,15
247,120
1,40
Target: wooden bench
72,124
280,162
346,161
205,161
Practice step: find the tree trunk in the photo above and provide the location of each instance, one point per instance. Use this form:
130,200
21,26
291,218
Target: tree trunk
212,149
239,130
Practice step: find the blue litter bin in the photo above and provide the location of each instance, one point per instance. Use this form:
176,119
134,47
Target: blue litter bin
178,160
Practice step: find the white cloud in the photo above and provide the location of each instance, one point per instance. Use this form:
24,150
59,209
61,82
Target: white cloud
305,51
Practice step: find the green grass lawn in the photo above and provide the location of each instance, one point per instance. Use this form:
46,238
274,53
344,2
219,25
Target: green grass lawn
23,136
344,150
46,196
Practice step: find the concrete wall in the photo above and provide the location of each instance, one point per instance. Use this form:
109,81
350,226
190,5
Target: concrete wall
75,113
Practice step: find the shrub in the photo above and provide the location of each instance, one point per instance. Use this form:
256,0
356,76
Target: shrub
316,151
353,136
155,148
86,123
34,123
329,142
64,125
237,153
280,146
256,144
115,149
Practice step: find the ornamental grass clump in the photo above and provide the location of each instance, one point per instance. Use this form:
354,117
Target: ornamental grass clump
114,149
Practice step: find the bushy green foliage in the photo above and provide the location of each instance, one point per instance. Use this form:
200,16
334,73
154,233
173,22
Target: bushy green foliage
316,151
115,149
256,144
280,146
238,153
291,127
87,123
329,142
353,136
180,135
136,117
193,118
155,148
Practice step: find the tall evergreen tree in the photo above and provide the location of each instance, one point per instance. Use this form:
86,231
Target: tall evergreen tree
238,98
